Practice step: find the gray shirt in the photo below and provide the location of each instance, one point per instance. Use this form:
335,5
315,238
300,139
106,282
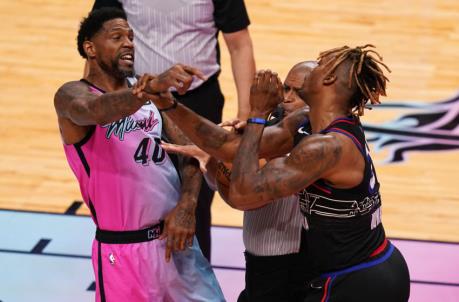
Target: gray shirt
274,229
167,32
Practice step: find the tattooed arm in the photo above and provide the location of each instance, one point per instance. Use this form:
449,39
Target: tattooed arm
315,157
75,102
78,109
180,223
222,144
218,142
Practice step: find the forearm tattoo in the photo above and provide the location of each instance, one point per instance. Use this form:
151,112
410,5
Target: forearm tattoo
113,106
185,217
74,101
213,138
223,170
173,132
246,160
283,176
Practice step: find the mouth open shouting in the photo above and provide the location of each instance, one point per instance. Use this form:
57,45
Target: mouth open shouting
127,59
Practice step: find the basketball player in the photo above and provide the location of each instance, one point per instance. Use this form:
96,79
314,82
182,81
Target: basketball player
331,168
112,142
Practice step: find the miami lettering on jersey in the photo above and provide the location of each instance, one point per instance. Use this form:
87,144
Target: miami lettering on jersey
128,124
124,173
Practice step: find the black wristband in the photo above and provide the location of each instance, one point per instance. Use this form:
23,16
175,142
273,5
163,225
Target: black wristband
171,107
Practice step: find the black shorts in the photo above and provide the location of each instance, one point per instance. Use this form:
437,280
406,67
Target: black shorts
382,279
275,278
281,278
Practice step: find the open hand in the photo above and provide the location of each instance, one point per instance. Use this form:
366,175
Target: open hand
190,151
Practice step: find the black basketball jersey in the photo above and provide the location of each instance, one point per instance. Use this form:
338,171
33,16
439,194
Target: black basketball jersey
343,226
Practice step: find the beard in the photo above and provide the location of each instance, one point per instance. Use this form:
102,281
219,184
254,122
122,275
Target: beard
114,68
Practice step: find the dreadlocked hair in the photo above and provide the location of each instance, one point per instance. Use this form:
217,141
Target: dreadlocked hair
365,72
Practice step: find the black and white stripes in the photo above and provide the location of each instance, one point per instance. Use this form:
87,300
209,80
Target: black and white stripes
274,229
173,31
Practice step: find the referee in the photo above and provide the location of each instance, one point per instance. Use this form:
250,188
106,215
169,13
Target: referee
275,268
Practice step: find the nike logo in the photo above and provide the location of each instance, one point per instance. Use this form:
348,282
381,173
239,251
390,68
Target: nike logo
302,131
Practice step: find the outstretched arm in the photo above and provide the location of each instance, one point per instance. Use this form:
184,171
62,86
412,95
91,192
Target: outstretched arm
77,107
222,144
276,141
75,102
190,151
210,166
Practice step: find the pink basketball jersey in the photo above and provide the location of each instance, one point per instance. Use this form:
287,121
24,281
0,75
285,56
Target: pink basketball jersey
126,178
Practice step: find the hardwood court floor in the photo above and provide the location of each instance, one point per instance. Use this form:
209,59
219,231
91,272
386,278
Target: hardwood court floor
419,41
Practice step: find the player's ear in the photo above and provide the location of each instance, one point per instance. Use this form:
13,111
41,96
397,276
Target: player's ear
330,79
89,49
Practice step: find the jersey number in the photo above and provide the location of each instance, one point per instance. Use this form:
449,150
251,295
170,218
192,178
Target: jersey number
142,156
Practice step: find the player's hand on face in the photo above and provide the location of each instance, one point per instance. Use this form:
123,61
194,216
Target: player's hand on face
266,92
179,228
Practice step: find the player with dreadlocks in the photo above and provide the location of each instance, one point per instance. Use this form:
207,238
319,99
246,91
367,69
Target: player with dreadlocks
329,165
364,72
333,171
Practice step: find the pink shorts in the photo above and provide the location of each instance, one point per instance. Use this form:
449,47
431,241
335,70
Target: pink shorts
138,272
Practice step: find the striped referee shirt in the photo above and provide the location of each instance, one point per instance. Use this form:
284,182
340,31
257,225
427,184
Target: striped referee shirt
167,32
274,229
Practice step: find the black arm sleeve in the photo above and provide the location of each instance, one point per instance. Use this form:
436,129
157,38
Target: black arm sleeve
230,15
106,3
